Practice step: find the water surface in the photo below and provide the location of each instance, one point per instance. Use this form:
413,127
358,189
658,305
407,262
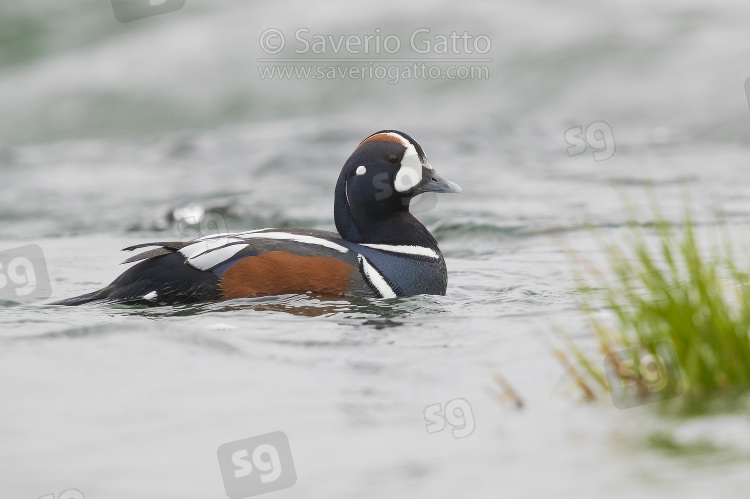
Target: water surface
115,126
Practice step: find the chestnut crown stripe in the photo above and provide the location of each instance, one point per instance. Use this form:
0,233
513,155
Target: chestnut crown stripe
386,137
398,138
410,171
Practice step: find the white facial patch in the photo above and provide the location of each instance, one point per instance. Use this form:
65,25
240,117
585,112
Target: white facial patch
361,170
410,173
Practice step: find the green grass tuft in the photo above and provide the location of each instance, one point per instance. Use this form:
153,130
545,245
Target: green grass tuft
663,288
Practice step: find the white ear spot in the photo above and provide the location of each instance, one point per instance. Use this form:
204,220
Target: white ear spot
361,170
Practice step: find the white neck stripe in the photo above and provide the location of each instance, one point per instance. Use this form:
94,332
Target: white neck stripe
376,279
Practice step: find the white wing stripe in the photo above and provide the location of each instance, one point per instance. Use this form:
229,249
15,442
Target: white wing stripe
298,238
405,249
215,241
200,247
377,280
210,259
210,251
228,234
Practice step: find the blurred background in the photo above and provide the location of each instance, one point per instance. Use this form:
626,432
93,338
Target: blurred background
70,71
111,132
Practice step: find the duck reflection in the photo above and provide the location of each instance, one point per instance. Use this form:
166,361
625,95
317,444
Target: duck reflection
379,314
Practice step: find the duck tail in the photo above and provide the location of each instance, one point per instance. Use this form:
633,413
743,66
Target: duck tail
99,295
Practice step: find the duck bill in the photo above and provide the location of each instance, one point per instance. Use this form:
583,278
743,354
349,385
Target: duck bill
433,182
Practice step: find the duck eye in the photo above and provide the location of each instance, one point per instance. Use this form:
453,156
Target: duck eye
393,159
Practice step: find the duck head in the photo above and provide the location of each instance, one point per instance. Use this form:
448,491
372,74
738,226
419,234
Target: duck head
376,185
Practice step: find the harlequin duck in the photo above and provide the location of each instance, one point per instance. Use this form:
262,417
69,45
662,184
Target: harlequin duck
381,250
